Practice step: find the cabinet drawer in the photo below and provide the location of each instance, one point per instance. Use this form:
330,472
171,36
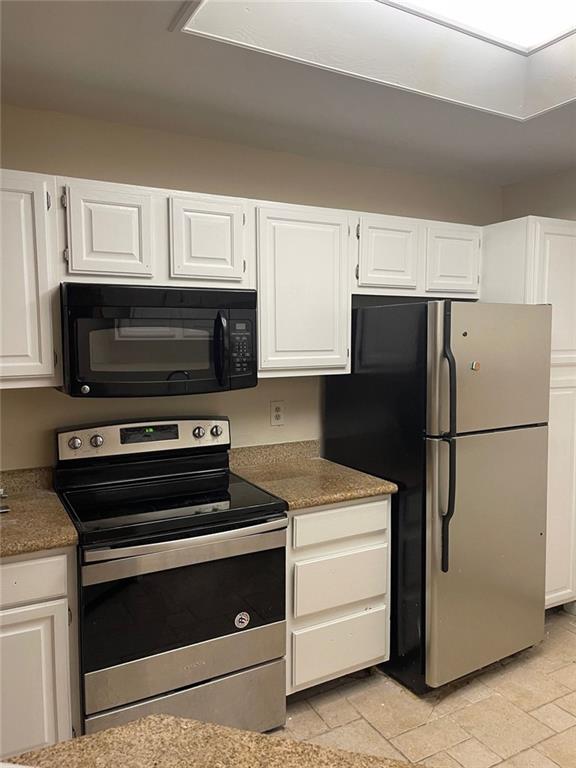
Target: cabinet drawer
340,579
338,646
32,580
332,524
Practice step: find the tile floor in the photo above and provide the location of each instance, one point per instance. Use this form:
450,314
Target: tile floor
520,713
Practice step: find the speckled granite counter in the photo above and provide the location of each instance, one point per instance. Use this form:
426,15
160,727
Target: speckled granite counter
296,473
36,520
160,741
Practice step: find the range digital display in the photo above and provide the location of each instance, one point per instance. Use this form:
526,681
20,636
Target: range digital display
148,433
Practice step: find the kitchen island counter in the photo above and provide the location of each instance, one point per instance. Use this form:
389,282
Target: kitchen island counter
162,741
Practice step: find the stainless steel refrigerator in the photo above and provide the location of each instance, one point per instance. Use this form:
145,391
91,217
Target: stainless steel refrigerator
450,400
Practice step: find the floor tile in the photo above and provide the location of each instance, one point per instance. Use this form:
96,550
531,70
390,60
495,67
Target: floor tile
451,699
556,650
440,760
358,737
568,703
566,676
524,686
561,748
554,717
473,754
428,739
302,722
334,708
501,726
529,759
390,708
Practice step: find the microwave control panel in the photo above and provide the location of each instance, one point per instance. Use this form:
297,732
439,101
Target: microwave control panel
242,353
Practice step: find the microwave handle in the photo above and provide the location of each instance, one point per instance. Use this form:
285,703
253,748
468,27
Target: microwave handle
221,349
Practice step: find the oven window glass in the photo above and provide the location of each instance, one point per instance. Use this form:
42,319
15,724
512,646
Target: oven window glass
146,350
135,617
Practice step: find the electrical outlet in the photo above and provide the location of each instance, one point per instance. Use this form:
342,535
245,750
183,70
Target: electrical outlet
277,413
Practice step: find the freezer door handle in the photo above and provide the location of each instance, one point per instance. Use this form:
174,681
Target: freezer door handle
449,355
449,514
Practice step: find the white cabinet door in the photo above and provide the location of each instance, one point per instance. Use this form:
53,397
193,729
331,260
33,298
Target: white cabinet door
388,252
109,229
27,249
303,310
452,258
555,283
35,694
207,238
561,528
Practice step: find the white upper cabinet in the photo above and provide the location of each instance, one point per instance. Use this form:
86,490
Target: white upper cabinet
555,283
303,292
452,258
207,238
110,229
389,248
27,251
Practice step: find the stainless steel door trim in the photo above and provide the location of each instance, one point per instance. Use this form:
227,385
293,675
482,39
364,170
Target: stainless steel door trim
164,672
113,570
253,699
111,553
491,602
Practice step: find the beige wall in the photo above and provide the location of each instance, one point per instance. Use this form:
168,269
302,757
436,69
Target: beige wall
553,196
53,142
29,417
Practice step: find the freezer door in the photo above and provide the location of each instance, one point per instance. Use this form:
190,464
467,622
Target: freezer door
490,601
501,366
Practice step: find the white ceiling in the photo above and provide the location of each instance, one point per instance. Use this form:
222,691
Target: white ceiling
119,60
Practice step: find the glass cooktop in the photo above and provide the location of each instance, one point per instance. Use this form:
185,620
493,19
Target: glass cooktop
183,506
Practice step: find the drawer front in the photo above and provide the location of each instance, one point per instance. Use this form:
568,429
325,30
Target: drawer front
333,524
336,647
31,580
327,582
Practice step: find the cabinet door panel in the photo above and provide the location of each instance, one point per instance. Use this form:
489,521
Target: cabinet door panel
561,527
388,252
35,694
26,246
207,238
556,284
302,288
452,259
109,229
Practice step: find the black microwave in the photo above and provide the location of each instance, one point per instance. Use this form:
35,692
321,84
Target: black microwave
134,341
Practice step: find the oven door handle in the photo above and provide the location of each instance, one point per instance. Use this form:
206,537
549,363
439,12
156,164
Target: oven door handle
115,553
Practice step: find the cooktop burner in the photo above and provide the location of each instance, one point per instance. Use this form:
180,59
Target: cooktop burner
116,492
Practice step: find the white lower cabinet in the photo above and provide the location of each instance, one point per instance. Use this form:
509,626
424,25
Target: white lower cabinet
34,654
338,566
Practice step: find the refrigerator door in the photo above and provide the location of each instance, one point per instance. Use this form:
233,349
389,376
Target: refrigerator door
490,601
499,374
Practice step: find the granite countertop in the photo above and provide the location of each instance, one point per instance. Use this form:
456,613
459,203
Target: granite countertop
296,473
161,741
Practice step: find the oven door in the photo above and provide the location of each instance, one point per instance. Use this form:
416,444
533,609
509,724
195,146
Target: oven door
142,351
163,616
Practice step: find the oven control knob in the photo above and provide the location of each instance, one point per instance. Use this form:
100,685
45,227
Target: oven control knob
75,443
96,441
198,432
216,430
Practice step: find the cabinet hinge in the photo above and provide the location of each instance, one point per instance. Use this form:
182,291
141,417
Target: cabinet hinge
357,271
69,617
244,219
64,200
478,280
48,201
244,266
55,358
348,352
66,254
358,231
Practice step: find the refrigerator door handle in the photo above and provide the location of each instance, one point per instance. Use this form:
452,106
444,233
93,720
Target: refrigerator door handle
448,354
449,514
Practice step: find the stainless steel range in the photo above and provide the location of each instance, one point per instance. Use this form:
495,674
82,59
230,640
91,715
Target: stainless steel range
181,574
